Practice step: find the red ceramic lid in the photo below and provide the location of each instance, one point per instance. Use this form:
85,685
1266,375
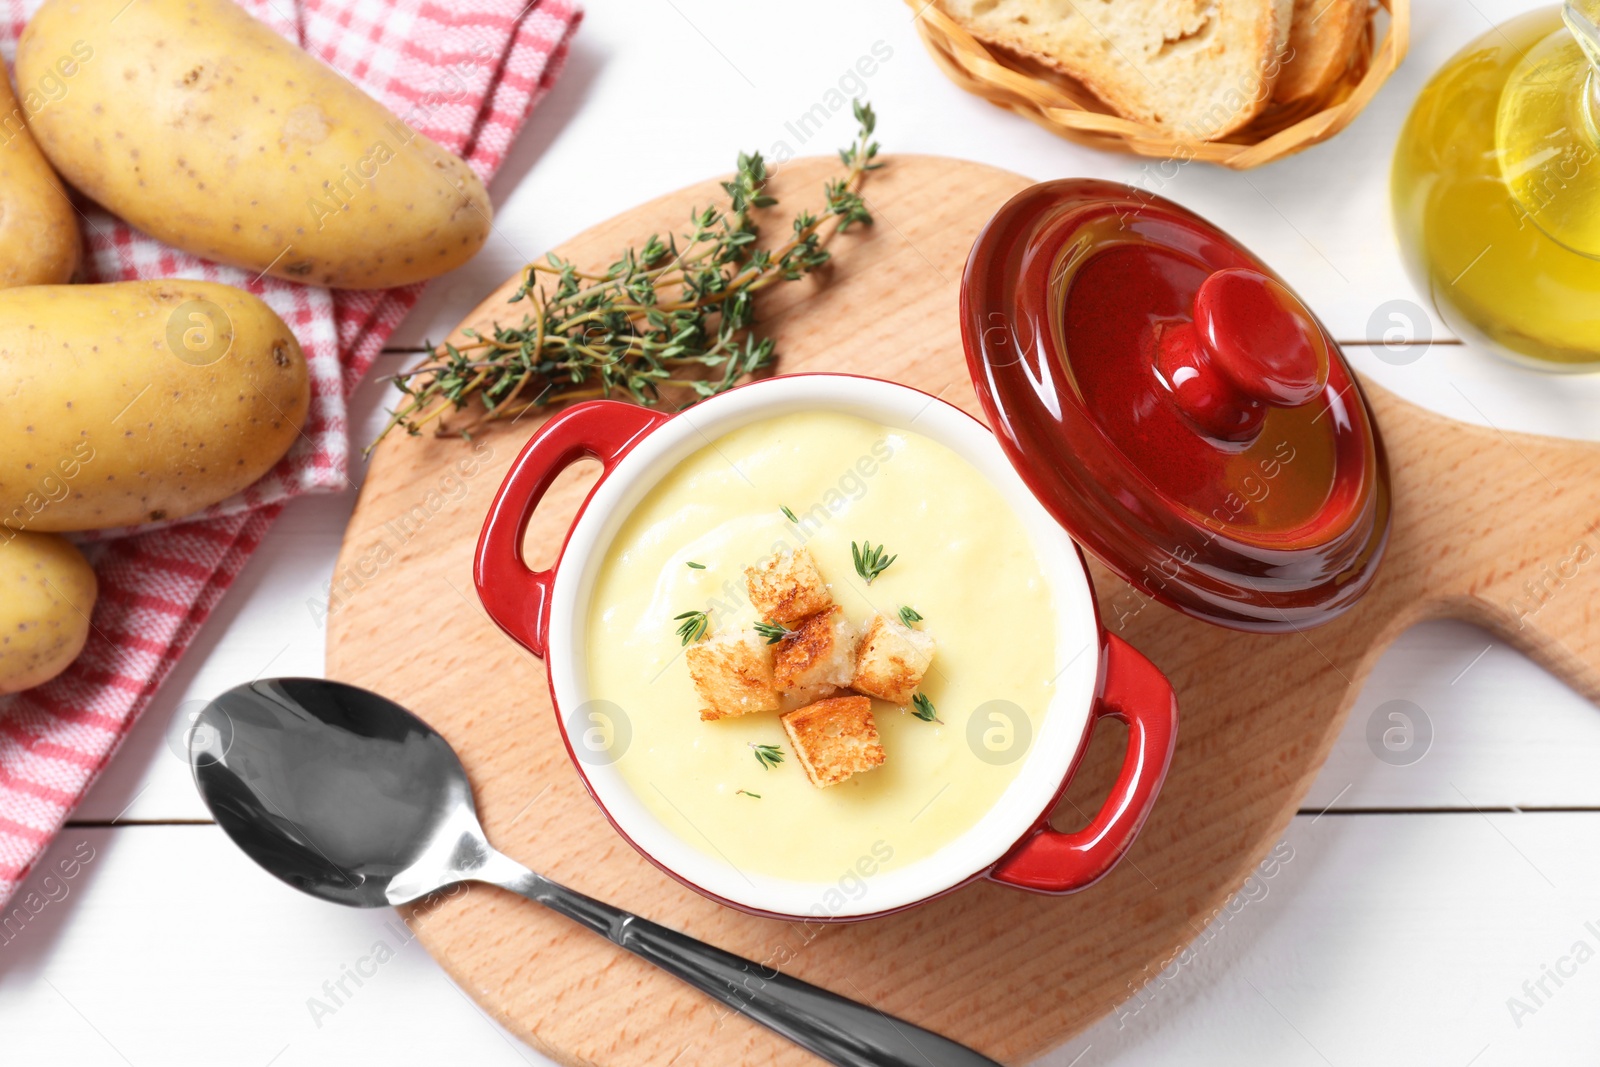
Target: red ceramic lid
1175,406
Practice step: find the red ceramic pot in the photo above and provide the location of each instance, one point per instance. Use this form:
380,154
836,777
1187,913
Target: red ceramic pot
1101,676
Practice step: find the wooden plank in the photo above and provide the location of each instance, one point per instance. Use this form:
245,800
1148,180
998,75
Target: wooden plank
232,967
1385,940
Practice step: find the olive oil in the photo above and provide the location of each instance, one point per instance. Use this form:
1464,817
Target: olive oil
1498,159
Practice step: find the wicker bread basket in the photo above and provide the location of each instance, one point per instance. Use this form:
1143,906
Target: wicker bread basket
1064,106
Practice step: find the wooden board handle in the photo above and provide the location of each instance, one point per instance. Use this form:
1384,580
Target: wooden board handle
1496,529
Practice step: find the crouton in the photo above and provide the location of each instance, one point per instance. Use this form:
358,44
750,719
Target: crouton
789,700
818,658
787,587
891,660
732,672
834,739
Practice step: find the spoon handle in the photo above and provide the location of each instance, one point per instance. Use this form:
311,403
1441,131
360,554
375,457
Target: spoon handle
840,1030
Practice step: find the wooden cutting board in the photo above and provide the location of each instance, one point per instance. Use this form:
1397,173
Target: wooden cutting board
1498,529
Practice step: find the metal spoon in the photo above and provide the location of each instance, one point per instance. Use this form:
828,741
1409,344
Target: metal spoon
350,797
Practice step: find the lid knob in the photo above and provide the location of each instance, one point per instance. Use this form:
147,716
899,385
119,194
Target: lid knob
1252,345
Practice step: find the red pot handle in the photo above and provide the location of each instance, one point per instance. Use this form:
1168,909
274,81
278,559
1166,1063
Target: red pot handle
518,599
1135,692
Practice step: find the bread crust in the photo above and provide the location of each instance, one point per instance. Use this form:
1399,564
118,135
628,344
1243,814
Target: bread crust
733,675
834,739
1198,69
891,660
819,656
787,587
1323,40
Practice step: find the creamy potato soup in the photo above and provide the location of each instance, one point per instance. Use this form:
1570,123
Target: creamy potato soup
963,562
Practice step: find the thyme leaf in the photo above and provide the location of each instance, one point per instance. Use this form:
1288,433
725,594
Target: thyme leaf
769,756
870,562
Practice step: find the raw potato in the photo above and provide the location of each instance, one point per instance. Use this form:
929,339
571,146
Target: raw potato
47,592
205,128
139,401
39,239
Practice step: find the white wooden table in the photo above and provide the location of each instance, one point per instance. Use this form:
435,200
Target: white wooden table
1419,898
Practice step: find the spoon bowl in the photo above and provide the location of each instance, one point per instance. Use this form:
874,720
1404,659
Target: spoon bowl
334,789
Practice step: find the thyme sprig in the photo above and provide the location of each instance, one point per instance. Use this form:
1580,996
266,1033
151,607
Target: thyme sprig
909,615
870,562
925,709
769,756
677,311
773,631
692,626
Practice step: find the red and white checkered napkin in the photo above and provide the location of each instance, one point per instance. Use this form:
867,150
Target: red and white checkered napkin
465,73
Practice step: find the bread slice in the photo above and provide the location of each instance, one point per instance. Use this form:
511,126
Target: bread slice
834,739
891,660
1197,69
733,675
818,658
1323,39
787,587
